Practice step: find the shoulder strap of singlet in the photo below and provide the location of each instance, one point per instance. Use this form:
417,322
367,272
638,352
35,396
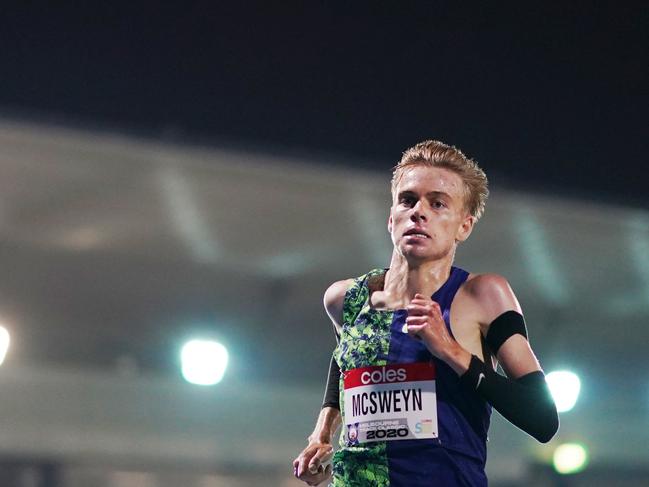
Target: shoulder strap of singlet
444,295
357,295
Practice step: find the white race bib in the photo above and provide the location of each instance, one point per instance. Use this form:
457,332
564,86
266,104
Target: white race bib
390,402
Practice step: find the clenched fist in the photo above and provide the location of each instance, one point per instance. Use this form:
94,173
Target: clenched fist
308,465
426,323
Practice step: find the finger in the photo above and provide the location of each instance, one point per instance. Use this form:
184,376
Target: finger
436,325
411,329
416,320
432,310
417,309
315,462
423,302
304,458
315,469
322,455
415,329
426,303
420,298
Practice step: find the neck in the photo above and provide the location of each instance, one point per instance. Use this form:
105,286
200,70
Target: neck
405,279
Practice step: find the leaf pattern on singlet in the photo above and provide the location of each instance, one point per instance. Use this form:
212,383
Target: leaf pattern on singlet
365,334
361,467
364,341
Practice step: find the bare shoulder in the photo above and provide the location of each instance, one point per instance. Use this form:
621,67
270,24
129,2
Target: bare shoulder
487,284
492,294
334,299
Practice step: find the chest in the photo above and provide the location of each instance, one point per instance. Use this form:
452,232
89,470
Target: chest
375,336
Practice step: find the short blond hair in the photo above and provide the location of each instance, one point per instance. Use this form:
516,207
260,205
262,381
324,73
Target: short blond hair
433,153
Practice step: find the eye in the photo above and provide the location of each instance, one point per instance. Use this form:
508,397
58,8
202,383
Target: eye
438,204
407,200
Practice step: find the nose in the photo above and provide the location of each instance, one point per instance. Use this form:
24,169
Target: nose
418,213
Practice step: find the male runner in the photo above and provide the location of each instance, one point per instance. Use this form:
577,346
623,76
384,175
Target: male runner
418,343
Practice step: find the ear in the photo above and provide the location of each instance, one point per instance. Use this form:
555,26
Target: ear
390,223
465,228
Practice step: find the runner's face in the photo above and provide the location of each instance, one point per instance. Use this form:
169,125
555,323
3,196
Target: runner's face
428,215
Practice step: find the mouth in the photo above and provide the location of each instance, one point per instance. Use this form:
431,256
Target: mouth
416,232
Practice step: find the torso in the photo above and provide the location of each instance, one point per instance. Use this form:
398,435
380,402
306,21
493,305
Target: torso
465,315
372,337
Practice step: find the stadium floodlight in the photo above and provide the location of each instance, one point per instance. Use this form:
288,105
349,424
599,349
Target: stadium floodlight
203,362
4,343
564,386
570,458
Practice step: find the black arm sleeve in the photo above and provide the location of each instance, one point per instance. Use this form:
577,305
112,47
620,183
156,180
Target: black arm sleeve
332,392
525,402
506,325
331,395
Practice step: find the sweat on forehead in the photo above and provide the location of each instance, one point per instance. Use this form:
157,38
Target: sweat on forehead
430,179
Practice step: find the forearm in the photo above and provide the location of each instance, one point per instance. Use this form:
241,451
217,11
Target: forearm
330,418
311,464
457,358
526,402
328,422
332,391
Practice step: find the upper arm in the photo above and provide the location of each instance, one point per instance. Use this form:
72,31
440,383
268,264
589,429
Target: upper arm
496,296
334,300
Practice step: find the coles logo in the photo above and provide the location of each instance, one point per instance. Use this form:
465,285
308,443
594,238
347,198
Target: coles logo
376,375
382,375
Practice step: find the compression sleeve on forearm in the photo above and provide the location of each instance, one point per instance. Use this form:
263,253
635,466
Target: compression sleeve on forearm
332,392
525,402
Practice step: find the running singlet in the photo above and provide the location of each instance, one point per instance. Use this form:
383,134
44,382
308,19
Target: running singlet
406,421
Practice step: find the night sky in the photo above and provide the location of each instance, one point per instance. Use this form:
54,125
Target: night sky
548,96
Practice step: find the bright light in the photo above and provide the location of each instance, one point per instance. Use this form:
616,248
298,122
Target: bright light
203,362
4,343
565,387
570,458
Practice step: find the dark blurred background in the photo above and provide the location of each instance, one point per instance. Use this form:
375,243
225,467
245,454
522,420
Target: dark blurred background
551,97
205,170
